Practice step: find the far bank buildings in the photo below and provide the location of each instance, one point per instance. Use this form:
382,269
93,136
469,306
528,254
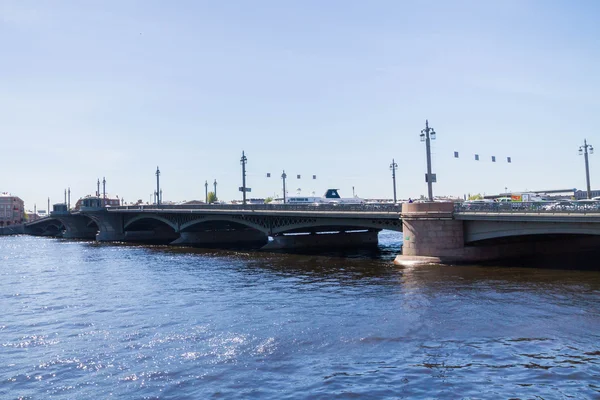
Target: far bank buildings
12,210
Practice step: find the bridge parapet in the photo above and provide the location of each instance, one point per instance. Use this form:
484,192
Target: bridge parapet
322,207
541,207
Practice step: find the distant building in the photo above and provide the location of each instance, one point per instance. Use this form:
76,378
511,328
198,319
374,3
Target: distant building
110,201
582,194
12,210
31,216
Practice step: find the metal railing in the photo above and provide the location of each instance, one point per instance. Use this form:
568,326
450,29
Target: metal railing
548,207
389,208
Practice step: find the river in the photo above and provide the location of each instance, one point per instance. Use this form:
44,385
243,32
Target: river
82,320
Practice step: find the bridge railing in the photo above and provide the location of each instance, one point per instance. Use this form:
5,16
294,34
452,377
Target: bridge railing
395,208
549,207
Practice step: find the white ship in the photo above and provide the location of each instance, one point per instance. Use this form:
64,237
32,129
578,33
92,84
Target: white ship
331,196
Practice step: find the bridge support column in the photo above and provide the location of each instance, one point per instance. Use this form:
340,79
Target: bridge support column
336,240
243,238
110,226
431,235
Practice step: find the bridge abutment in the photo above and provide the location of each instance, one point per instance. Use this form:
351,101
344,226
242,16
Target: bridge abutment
12,230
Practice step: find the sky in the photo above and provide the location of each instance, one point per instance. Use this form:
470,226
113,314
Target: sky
333,88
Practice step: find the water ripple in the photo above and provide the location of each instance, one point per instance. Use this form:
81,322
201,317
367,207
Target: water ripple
88,320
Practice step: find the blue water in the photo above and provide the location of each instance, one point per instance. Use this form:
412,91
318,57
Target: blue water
82,320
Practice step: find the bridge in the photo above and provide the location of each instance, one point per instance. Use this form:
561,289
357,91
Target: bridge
433,232
289,226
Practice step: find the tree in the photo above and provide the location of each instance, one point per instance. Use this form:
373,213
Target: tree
212,198
268,200
477,196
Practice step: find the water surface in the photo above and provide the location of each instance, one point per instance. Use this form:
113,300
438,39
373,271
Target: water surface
86,320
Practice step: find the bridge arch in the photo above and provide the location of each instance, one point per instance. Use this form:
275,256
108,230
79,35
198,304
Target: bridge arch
152,217
476,231
48,226
332,224
225,219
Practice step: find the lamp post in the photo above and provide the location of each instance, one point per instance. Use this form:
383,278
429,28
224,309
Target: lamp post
215,186
243,161
283,176
69,199
206,192
394,167
103,192
584,150
427,135
157,186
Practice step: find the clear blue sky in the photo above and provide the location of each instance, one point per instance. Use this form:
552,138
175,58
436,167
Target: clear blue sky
332,88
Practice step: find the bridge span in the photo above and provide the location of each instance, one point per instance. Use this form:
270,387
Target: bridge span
289,226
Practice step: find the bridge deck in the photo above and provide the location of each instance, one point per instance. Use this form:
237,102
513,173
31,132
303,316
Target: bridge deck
342,211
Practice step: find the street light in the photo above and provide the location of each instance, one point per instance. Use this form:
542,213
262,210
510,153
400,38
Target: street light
157,186
394,167
427,135
243,189
283,176
583,150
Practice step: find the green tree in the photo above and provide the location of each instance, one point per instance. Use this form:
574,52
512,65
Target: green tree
477,196
212,197
268,200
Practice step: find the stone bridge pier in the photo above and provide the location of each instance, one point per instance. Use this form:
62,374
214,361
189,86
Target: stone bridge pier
431,234
110,226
